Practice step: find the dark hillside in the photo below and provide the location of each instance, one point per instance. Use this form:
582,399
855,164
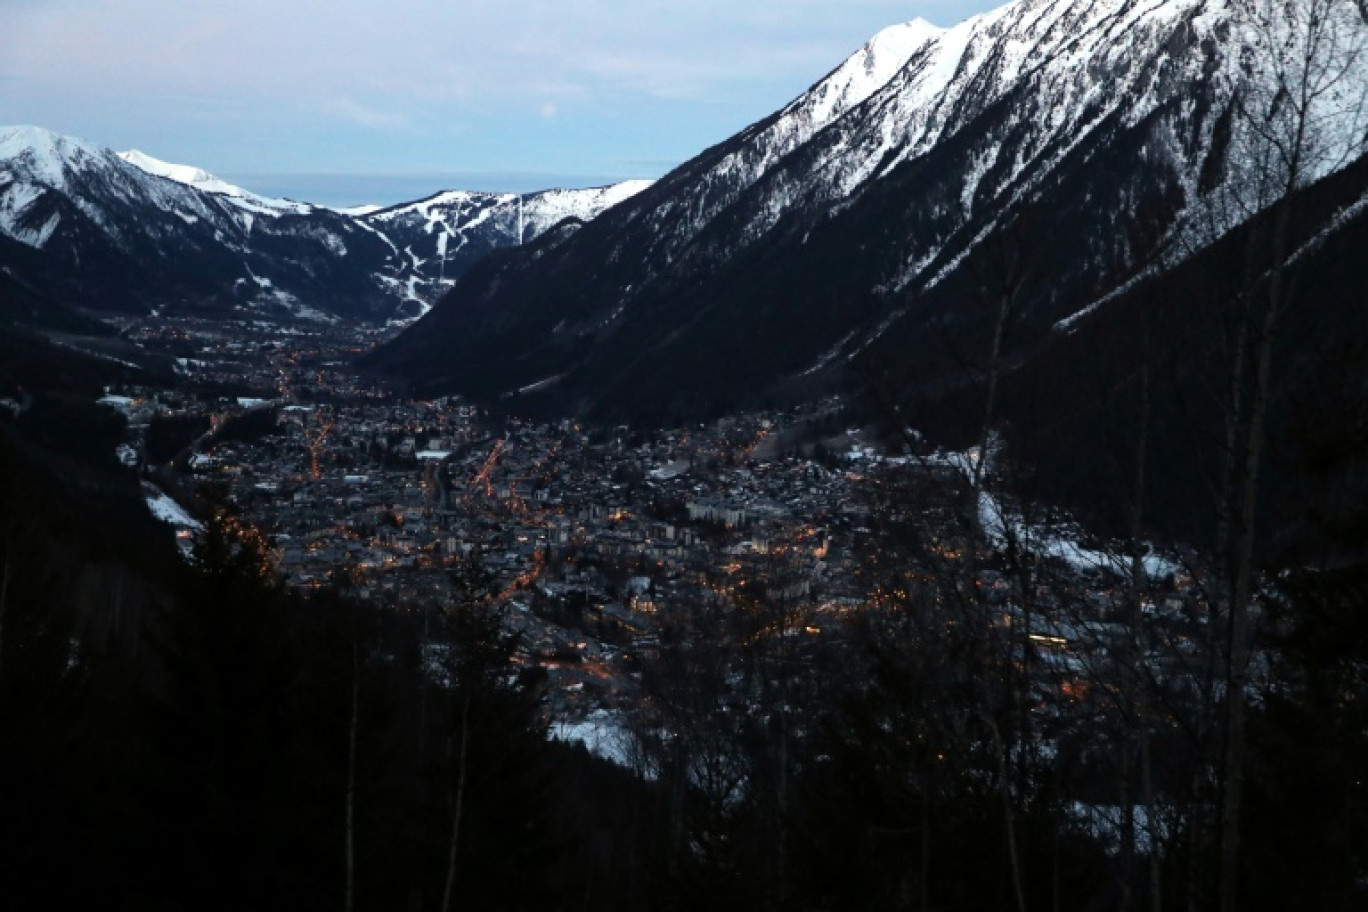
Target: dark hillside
1072,406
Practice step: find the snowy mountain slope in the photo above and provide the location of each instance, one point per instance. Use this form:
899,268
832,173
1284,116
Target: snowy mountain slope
788,249
203,180
437,239
42,175
114,237
434,239
524,216
1029,57
698,192
129,232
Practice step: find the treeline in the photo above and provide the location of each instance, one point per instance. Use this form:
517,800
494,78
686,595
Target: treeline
181,735
194,736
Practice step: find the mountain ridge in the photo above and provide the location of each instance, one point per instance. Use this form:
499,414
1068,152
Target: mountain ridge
1097,118
129,233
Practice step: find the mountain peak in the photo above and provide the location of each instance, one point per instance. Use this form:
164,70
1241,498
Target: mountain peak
914,32
184,174
867,70
19,137
46,153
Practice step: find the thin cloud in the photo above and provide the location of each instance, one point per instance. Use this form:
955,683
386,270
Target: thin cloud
348,109
321,82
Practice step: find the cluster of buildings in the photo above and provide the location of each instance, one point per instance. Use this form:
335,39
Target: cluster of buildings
594,541
587,537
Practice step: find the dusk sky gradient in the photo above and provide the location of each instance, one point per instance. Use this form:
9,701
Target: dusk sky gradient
351,101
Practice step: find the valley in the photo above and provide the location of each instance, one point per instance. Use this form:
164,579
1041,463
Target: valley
600,546
946,492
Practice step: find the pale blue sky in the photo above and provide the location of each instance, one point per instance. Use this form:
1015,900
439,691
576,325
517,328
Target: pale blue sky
349,101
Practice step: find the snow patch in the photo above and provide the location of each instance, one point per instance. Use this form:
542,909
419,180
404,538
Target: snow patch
167,510
602,733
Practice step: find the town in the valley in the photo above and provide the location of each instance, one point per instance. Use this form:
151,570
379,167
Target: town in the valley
590,540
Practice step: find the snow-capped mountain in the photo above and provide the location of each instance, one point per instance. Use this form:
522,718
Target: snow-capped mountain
127,232
434,240
115,237
203,180
1086,135
437,239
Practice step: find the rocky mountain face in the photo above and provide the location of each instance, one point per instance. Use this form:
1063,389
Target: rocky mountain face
1050,153
127,233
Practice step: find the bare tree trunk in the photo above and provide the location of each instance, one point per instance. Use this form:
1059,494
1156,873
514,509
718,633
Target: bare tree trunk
1005,283
1317,59
1147,783
1054,874
1132,654
350,781
1138,577
782,822
1194,859
423,684
990,396
1237,678
1025,734
1225,509
925,854
4,604
349,902
1008,818
1127,828
458,807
